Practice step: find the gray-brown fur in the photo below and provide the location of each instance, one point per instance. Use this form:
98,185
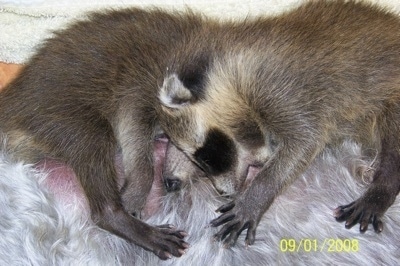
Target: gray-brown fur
268,92
277,91
90,91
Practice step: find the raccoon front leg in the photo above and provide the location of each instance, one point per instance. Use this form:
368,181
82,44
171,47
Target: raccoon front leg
136,140
94,166
138,176
245,212
107,212
380,195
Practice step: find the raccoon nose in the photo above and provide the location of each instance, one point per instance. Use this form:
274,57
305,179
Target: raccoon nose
172,184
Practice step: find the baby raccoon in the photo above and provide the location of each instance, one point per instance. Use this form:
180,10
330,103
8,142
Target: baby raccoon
89,93
269,94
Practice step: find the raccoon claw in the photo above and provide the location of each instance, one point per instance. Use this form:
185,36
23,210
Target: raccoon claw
226,207
367,210
178,233
353,215
230,233
234,220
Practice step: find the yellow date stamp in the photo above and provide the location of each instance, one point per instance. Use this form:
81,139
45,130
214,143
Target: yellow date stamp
314,245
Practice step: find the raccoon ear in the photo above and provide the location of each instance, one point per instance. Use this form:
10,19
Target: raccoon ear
173,93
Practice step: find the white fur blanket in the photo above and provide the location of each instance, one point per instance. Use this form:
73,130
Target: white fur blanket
45,225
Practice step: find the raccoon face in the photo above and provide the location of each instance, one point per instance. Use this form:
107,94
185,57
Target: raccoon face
179,171
210,121
189,128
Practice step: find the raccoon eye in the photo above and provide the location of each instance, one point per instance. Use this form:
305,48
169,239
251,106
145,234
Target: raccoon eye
217,154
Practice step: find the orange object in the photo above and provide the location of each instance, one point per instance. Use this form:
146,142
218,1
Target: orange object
8,72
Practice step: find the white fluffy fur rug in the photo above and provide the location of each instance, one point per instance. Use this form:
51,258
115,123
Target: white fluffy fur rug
43,224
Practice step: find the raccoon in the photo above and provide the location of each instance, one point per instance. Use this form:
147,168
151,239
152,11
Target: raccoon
276,92
90,92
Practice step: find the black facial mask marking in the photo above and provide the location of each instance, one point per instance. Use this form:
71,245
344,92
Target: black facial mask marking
217,154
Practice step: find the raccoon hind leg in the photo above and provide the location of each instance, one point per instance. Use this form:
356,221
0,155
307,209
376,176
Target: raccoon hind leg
382,192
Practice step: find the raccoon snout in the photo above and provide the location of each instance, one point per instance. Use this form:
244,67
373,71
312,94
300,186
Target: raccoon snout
172,184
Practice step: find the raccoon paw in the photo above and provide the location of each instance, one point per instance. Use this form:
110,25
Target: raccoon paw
368,209
235,219
353,214
166,241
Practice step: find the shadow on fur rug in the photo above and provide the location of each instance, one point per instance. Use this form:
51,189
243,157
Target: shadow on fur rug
44,224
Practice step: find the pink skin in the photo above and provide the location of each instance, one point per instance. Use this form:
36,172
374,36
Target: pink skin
157,189
252,172
63,184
